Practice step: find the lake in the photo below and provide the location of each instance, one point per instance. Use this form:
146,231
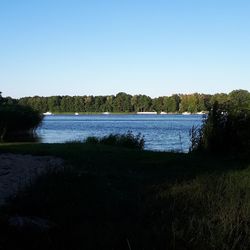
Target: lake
161,132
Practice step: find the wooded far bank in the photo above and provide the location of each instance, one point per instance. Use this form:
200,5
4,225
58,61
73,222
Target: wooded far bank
123,102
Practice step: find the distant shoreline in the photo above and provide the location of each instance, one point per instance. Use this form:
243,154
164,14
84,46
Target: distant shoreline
117,113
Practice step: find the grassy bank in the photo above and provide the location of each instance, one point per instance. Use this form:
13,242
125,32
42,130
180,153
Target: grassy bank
117,198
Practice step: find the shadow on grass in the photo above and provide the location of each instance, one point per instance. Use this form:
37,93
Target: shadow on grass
116,198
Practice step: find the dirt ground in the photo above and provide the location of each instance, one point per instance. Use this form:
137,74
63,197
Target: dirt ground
18,170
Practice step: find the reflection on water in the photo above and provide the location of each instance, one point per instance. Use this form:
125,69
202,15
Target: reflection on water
161,132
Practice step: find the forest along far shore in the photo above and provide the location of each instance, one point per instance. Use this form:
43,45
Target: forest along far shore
125,103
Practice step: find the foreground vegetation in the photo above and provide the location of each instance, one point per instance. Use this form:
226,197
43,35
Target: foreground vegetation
224,131
17,120
117,198
127,140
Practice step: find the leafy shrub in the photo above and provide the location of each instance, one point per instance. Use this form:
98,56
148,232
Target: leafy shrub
128,140
225,130
16,119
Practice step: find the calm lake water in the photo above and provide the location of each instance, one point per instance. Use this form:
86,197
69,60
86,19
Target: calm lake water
161,132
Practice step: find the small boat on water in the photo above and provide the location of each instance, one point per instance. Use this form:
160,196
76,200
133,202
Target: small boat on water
201,113
76,113
47,113
186,113
106,113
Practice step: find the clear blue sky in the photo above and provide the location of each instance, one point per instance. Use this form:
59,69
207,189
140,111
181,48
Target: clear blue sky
78,47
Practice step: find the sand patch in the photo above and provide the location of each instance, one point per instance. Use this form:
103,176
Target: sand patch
18,170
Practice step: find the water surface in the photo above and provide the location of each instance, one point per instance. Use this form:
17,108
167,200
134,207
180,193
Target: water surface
161,132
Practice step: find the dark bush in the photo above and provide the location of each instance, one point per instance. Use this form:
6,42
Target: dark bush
128,140
225,130
17,120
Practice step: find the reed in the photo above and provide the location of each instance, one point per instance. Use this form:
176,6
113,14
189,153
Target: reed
225,130
127,140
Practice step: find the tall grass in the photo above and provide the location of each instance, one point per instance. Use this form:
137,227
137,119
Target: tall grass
225,130
128,140
209,212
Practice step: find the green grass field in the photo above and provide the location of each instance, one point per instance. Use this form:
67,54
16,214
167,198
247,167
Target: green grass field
117,198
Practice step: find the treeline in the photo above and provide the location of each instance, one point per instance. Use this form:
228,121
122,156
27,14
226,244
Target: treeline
123,102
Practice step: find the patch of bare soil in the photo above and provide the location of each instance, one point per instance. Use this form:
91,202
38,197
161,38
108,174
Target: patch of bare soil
18,170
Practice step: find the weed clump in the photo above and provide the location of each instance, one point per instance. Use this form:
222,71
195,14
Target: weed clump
16,120
209,212
127,140
225,130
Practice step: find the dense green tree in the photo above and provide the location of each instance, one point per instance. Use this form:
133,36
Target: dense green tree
134,103
192,103
108,105
220,98
122,103
54,103
99,103
171,103
240,99
200,102
37,103
187,103
207,102
17,120
66,104
143,103
79,105
89,101
9,101
158,104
